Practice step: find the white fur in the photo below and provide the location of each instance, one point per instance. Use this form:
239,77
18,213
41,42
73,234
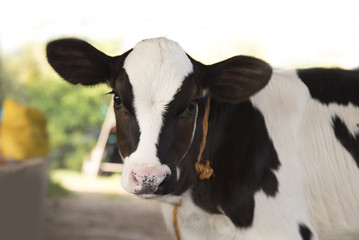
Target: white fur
156,69
318,178
326,174
331,175
195,223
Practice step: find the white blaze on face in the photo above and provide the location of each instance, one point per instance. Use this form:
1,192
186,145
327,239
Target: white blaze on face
156,69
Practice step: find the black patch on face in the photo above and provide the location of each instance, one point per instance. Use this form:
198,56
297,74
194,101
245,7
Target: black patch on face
349,142
242,156
176,134
332,85
305,232
238,147
128,133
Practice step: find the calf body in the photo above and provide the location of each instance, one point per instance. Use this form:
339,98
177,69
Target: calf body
283,144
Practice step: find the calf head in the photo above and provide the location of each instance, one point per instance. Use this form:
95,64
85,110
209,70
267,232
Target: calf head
157,88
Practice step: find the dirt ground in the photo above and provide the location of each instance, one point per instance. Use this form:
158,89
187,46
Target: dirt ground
93,216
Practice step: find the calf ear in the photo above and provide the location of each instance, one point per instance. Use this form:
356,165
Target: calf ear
78,62
236,79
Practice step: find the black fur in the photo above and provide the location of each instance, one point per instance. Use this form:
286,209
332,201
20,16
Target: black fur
238,145
176,134
305,232
128,132
243,158
332,85
78,62
349,142
235,79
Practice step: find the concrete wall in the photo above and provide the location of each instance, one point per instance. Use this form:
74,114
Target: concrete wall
23,188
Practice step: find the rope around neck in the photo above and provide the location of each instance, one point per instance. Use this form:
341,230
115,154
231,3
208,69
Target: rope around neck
175,221
204,170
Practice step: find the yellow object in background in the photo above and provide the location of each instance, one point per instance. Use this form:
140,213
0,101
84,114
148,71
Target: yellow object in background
23,132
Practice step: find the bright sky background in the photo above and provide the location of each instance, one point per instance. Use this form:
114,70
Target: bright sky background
283,32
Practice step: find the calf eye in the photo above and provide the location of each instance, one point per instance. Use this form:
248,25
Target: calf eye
117,100
192,107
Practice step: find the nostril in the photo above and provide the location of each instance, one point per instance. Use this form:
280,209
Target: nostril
148,181
162,186
134,178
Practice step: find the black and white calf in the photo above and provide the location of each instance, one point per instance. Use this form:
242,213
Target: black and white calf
284,144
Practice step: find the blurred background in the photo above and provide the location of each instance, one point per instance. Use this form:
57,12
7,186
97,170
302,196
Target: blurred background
66,133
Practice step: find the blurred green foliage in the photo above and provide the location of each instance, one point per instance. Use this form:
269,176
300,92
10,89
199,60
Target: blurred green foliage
64,182
75,113
56,189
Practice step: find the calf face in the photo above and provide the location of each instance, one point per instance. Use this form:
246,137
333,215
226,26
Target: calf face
158,90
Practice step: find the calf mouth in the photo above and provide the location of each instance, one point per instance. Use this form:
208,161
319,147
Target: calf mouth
148,196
